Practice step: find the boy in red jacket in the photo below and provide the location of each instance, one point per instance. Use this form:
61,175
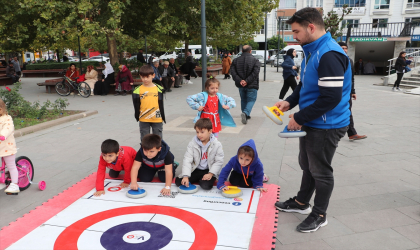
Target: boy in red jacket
115,158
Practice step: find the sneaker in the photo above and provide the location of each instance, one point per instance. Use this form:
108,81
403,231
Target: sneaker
357,137
398,89
125,93
243,117
190,82
266,178
393,89
169,90
12,188
117,93
291,206
248,117
312,223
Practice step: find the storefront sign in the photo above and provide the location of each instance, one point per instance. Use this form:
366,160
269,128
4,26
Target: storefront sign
415,38
355,11
289,38
368,39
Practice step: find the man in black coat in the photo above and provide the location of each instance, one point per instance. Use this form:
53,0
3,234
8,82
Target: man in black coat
140,57
351,132
245,72
178,77
168,76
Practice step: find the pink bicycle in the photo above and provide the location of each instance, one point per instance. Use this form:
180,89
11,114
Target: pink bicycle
26,173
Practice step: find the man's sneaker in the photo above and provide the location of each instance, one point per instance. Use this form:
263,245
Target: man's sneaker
312,223
243,117
248,117
12,188
291,206
393,89
398,89
357,137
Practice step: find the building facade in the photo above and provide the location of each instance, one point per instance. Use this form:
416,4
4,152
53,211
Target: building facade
380,29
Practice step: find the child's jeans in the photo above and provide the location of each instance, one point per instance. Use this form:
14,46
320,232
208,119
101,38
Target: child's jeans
156,127
237,179
147,173
10,161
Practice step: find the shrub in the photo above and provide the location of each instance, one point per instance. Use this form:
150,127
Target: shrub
18,107
62,65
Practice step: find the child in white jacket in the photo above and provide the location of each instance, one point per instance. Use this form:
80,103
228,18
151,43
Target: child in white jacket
203,159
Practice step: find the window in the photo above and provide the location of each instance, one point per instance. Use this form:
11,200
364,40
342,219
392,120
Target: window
350,3
380,23
261,31
413,4
287,4
285,25
382,4
346,22
314,3
415,20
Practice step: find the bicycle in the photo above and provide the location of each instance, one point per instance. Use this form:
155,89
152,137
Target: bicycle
26,174
65,87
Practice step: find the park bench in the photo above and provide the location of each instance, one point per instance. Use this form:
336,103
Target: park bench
42,73
5,80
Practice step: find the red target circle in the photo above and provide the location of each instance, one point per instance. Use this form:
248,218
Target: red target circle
114,189
205,234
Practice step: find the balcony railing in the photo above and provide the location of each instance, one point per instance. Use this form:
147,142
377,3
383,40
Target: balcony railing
413,5
380,29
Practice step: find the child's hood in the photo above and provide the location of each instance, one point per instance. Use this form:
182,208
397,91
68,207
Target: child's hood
256,161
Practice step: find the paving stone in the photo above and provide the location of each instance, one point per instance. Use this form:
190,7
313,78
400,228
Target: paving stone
414,195
374,220
412,211
313,245
382,201
383,239
387,187
411,232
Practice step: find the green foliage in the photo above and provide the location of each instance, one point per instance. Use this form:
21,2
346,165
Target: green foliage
63,65
18,107
273,43
332,21
253,44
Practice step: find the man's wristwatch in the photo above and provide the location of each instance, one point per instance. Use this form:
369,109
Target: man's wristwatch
167,187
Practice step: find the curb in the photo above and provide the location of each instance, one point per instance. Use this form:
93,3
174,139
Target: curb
49,124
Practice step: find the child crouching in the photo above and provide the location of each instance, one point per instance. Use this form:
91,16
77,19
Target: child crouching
247,170
203,159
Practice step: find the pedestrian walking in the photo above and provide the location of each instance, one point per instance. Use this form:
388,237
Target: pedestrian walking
323,97
289,73
245,71
226,62
400,68
359,67
351,132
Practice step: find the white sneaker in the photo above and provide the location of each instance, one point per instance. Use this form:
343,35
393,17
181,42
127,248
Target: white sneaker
280,100
12,188
393,89
190,82
398,89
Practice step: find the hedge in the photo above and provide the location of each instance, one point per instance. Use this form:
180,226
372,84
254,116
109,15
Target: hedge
62,65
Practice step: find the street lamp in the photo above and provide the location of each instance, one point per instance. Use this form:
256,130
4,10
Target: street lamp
278,36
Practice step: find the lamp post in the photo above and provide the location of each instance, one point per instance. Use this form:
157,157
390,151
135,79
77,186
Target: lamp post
280,20
265,46
80,55
203,45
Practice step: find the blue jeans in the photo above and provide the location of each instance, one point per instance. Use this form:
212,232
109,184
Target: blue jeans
248,98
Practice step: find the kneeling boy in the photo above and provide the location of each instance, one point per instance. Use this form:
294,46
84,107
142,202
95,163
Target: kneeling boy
115,158
153,156
203,159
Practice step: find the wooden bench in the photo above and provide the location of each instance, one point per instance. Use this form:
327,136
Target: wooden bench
215,70
42,73
5,80
50,84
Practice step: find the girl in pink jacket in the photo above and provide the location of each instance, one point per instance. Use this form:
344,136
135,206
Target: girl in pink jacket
8,147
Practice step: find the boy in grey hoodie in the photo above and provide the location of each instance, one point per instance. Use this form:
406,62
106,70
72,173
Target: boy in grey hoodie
203,159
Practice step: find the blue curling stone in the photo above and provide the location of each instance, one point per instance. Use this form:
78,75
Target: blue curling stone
135,194
188,190
286,133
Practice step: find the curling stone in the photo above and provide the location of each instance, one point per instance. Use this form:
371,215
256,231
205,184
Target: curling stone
188,190
136,194
233,192
272,115
291,134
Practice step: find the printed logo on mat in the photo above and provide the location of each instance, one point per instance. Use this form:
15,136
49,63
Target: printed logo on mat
114,189
238,199
172,195
135,237
236,203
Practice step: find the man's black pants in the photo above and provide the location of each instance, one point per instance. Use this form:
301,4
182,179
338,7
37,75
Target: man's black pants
316,151
167,82
351,131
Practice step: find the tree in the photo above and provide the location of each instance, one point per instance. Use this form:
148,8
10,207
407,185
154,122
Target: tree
333,20
273,43
253,44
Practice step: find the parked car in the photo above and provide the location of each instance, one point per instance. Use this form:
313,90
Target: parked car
260,58
97,59
73,58
168,56
298,59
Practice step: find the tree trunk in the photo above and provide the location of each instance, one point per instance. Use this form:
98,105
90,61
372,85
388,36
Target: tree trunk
58,55
187,44
112,48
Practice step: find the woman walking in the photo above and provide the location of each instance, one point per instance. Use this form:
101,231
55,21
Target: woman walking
289,73
400,68
226,62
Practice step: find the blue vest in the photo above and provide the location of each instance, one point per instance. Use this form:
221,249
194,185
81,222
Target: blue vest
339,116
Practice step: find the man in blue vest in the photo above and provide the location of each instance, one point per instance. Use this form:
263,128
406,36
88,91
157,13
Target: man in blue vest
323,97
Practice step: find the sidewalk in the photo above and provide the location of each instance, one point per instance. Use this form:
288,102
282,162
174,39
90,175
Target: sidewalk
376,200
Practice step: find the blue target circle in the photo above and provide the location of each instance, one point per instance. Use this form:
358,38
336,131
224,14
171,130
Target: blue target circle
191,187
136,192
160,236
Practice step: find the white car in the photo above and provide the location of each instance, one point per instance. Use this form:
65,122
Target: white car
73,58
97,59
260,58
168,56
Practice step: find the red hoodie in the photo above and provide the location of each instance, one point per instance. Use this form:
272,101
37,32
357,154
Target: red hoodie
124,162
